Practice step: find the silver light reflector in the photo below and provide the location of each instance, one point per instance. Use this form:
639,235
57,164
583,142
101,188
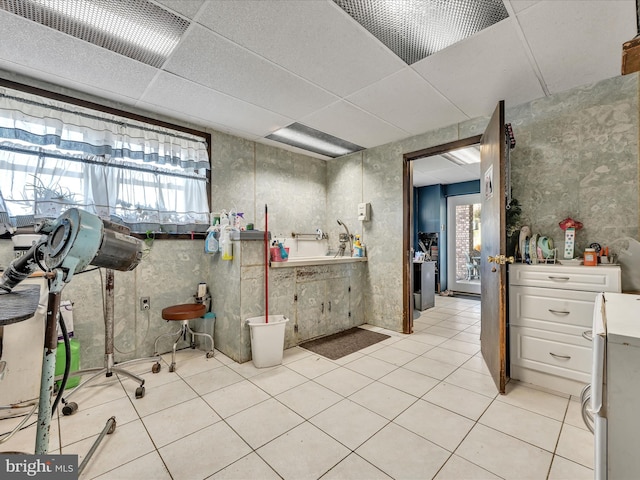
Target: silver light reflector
137,29
307,138
415,29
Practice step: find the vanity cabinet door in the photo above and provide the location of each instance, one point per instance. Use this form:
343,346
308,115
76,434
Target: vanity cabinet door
322,307
337,304
310,309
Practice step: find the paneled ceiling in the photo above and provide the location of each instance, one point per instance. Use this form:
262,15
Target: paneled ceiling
250,67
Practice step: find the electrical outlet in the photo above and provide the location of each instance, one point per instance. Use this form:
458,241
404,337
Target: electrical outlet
145,303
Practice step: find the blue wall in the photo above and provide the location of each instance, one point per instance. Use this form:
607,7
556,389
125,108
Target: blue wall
430,215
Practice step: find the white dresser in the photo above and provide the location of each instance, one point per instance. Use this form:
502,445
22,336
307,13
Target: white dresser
550,319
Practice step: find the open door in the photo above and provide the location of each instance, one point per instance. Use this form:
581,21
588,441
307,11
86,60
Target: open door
493,270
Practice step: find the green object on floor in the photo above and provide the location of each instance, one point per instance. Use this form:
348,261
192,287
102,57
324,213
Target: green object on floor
75,362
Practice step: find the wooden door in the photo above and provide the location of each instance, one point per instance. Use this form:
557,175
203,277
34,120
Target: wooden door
493,334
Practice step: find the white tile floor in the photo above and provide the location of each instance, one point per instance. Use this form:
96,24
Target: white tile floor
413,406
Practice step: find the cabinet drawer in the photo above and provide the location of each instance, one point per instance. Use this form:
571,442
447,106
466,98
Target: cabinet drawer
549,309
592,279
555,353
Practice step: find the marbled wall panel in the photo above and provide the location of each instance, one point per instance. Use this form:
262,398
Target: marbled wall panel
358,281
429,139
577,156
233,175
344,193
169,275
473,127
382,180
224,283
294,188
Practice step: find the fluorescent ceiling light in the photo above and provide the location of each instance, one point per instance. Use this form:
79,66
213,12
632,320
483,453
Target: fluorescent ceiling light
137,29
415,29
463,156
307,138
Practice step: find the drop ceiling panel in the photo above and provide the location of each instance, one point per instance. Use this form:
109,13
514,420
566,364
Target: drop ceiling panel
210,106
481,70
69,60
430,164
186,8
408,101
575,43
520,5
454,175
348,122
213,61
314,39
473,170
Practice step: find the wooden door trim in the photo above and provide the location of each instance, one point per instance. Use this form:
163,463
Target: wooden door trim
443,148
407,229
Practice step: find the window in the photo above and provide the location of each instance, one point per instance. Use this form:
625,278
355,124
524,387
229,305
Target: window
54,155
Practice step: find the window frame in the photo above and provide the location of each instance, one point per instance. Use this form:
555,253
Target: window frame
126,114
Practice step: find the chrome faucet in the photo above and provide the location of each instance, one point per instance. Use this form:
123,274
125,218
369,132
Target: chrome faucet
344,240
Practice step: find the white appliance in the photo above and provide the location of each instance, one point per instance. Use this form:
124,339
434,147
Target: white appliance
615,386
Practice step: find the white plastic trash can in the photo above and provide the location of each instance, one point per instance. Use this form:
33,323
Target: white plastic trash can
267,340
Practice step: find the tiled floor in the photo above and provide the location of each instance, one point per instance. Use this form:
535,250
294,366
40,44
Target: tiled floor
415,406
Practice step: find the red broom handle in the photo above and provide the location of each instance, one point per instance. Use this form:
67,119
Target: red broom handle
266,265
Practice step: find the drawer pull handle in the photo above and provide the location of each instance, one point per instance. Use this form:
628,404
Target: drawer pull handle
563,357
559,312
564,279
588,334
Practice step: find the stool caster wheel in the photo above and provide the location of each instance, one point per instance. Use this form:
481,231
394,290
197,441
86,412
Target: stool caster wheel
156,367
193,345
139,392
210,354
172,367
69,409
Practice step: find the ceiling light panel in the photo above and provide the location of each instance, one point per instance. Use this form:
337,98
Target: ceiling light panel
312,140
415,29
137,29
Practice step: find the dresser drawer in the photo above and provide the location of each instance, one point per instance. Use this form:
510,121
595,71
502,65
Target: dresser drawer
593,279
566,356
565,311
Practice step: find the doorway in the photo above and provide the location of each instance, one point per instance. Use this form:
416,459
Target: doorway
440,158
464,237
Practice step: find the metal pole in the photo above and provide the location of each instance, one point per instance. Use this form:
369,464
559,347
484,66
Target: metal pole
109,427
109,321
48,373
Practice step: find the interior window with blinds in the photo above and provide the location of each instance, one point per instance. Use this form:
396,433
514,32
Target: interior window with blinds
56,155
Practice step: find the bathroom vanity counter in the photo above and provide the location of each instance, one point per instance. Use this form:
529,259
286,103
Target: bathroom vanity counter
321,260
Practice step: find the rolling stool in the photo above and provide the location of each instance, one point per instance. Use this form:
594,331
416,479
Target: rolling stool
183,313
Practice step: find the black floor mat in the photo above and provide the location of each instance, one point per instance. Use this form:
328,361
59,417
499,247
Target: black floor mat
344,343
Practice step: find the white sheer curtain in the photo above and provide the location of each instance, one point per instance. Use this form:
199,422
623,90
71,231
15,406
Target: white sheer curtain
54,155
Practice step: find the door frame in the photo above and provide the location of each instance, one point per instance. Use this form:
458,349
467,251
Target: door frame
408,219
452,202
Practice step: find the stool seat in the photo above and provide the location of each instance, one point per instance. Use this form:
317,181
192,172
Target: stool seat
186,311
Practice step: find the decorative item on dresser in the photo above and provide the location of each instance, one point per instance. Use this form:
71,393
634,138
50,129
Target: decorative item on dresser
550,318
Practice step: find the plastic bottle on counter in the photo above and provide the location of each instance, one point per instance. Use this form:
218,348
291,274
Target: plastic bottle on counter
358,250
590,257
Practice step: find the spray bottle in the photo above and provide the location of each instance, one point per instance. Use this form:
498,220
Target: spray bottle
211,244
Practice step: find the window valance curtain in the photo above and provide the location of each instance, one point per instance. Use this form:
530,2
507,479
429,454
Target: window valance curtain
40,123
54,155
